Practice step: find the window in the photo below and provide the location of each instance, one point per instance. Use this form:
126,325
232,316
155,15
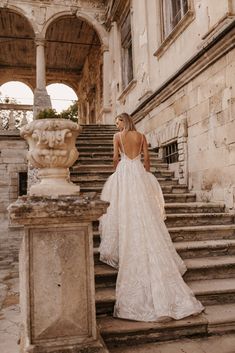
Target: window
170,153
23,176
173,11
126,48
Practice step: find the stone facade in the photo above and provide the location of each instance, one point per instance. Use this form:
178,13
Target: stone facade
183,90
12,163
178,73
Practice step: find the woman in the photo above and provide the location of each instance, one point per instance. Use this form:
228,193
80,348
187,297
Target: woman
135,240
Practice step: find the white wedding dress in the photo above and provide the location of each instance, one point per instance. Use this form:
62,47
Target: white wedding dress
135,240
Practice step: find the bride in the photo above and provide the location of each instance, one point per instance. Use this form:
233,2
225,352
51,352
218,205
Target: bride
135,240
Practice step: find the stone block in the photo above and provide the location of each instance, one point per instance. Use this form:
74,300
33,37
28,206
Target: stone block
230,77
199,128
198,113
57,273
58,254
215,103
181,105
181,157
231,157
230,133
223,117
14,153
212,86
14,160
219,65
193,98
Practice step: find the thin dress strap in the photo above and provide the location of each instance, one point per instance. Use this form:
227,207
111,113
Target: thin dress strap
141,145
123,150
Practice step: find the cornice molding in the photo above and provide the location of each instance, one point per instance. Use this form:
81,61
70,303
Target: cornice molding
213,51
115,11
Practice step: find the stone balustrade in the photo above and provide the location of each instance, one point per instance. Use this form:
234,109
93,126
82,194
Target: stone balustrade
13,116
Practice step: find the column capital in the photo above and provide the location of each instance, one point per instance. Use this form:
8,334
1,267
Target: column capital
40,41
104,48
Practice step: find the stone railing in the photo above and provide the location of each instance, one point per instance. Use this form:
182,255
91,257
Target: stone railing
13,116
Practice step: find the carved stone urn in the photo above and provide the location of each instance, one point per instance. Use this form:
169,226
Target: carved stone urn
52,149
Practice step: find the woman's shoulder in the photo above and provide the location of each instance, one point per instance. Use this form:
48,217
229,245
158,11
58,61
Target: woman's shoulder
116,134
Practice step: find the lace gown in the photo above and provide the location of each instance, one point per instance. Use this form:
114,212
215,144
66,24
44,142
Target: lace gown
134,239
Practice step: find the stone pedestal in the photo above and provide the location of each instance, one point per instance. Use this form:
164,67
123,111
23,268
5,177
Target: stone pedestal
57,294
41,101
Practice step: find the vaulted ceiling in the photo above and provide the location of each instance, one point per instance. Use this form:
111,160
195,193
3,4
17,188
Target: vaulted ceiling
69,41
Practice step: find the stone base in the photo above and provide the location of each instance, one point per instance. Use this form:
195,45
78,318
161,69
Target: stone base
94,347
54,187
54,182
57,289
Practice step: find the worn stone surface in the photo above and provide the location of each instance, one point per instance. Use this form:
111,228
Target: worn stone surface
52,150
57,273
218,344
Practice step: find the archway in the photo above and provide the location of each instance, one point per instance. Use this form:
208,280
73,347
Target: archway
17,55
16,105
62,96
74,55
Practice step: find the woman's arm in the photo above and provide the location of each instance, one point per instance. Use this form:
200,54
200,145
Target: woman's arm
115,151
146,155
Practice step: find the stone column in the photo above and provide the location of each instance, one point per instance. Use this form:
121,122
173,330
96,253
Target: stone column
57,292
41,98
106,85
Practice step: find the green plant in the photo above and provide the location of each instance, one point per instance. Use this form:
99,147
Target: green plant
48,114
71,113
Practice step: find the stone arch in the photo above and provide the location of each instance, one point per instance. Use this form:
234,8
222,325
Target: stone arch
100,30
63,81
15,78
22,13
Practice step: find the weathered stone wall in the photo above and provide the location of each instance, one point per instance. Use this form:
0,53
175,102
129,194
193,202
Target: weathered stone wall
205,108
12,161
156,60
90,89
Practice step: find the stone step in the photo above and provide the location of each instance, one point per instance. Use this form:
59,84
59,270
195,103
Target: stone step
194,219
108,169
196,249
205,232
99,180
197,219
95,127
84,142
98,126
176,189
95,148
193,233
194,207
107,162
205,248
217,344
198,269
209,292
103,147
184,197
117,332
96,136
103,154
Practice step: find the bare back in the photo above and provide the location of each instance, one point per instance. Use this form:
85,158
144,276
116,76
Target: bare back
131,143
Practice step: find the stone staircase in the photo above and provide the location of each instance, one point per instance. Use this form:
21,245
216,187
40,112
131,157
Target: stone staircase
203,234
